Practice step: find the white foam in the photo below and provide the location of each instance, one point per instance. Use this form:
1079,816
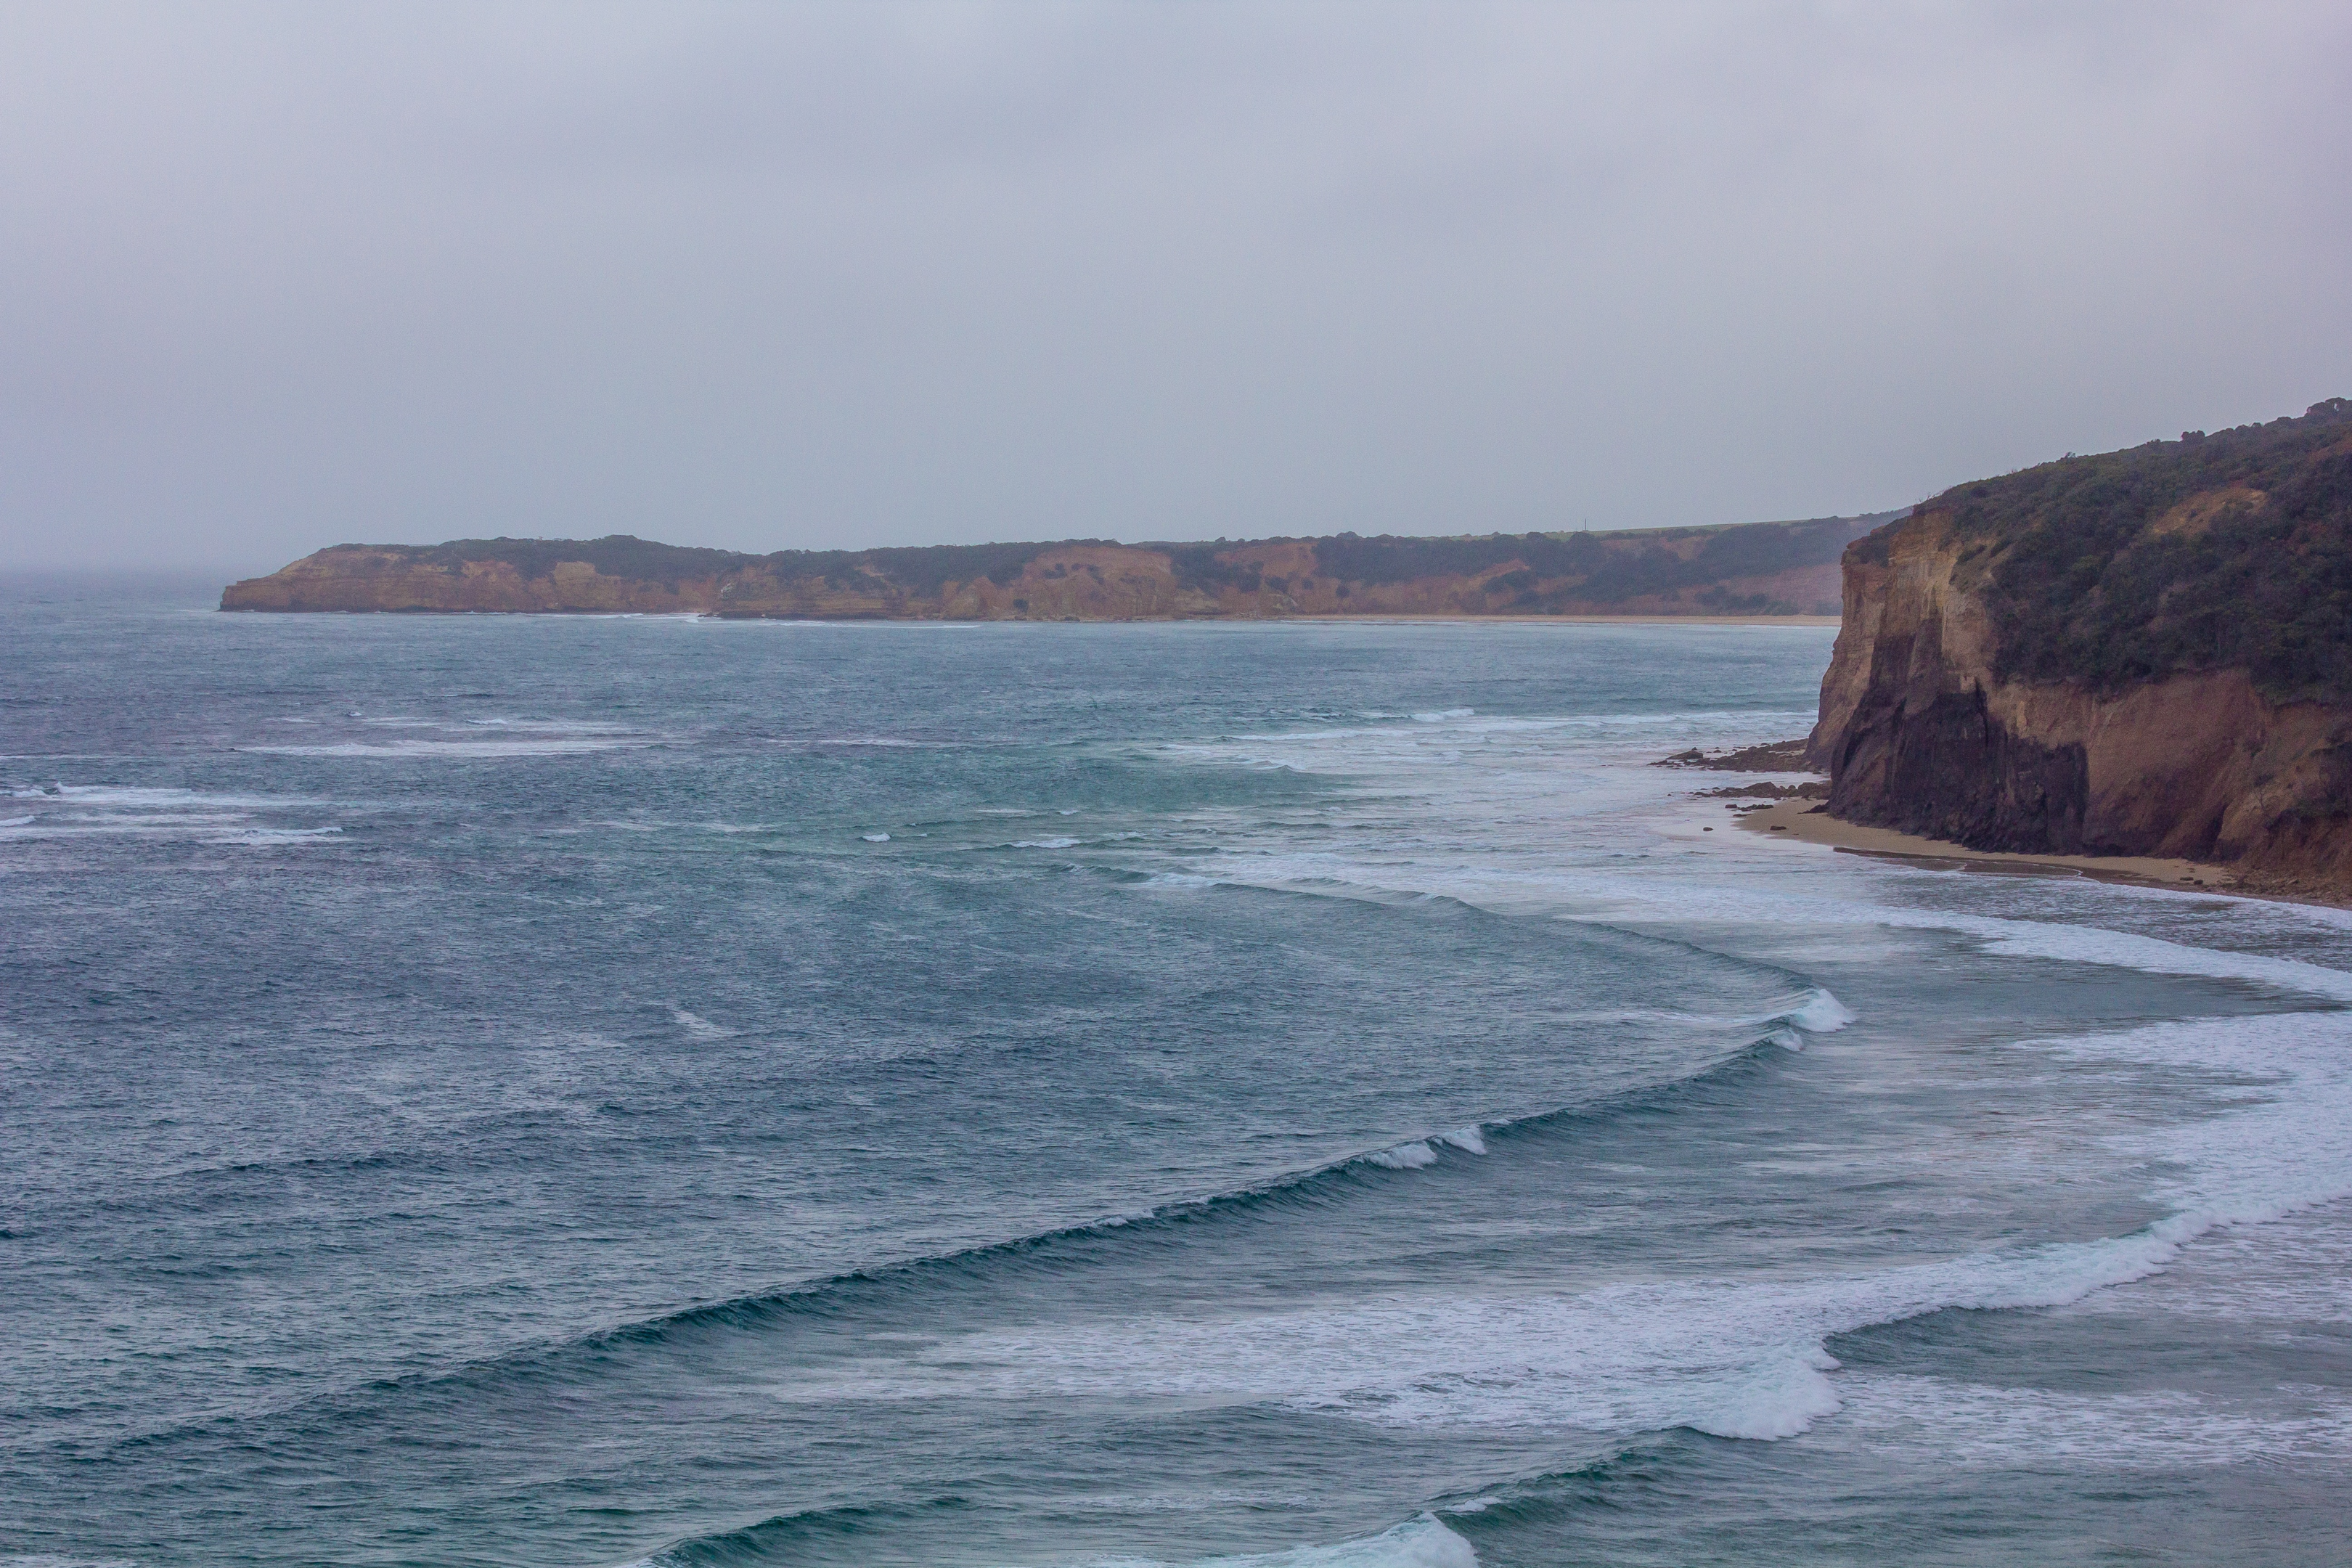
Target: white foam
1469,1140
1735,1358
1379,748
1980,1428
1820,1013
1516,813
2075,943
85,811
1654,894
1477,1504
553,726
2299,1270
1741,1356
878,742
701,1028
563,747
2285,1147
1831,904
1547,815
264,836
1044,843
141,798
1422,1542
875,838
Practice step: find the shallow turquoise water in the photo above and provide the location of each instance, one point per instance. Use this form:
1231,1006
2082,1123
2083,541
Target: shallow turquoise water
501,1090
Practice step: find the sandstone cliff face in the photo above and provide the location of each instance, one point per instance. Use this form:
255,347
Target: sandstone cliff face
1072,582
1928,726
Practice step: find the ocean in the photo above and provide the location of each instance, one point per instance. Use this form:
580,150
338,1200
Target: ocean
611,1090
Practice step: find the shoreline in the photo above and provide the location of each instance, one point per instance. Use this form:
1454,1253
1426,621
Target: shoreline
1796,819
1553,620
1450,619
1799,820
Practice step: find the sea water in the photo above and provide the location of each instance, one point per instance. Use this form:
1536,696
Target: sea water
609,1090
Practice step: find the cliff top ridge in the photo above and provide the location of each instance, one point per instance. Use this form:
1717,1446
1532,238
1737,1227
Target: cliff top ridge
2227,550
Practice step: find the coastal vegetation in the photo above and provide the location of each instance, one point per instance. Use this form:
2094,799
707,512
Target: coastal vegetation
2231,551
1547,569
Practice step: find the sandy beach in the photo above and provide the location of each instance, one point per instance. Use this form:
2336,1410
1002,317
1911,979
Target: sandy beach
1566,620
1803,821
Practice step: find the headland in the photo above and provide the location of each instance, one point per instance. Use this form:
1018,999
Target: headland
1741,572
2135,664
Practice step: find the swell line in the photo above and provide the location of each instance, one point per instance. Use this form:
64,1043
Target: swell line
1779,1033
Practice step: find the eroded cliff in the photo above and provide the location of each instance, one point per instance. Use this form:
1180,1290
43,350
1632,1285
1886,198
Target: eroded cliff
2146,652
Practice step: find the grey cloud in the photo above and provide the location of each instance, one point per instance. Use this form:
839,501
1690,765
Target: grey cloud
758,276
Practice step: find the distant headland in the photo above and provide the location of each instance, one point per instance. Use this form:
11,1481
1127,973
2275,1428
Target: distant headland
1762,570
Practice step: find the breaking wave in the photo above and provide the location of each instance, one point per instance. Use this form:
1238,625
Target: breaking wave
1422,1542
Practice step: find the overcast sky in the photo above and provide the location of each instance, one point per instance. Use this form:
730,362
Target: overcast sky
276,277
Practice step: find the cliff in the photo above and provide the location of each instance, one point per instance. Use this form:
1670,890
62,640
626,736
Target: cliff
2146,652
1771,568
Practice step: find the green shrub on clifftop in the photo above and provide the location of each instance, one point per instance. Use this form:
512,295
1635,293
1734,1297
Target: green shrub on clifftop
2221,551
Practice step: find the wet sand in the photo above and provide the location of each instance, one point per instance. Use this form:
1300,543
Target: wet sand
1556,620
1799,820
